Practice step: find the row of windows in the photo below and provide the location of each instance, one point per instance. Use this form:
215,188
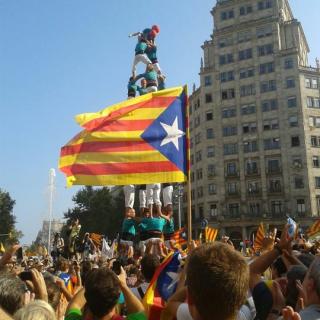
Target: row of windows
245,10
312,83
244,36
263,50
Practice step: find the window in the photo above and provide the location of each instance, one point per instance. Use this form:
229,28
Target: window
311,83
211,171
274,185
317,181
244,10
318,204
264,31
297,163
265,50
290,83
210,134
315,141
307,82
249,127
212,188
295,141
207,81
229,131
232,188
247,90
244,36
250,146
245,54
208,97
213,210
254,209
199,174
301,206
298,182
231,169
248,109
288,63
227,94
292,102
266,67
273,166
314,122
227,58
269,105
227,76
316,161
246,73
200,192
229,113
197,121
225,15
253,187
210,152
192,159
230,148
192,176
209,116
251,167
276,208
198,156
271,143
234,210
293,121
225,42
270,124
198,138
267,86
266,4
313,102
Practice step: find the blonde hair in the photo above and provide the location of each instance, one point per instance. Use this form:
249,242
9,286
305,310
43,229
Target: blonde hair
36,310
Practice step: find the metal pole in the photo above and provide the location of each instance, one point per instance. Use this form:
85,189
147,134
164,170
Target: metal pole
179,205
52,175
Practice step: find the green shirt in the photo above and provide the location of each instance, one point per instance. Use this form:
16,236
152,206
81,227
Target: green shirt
154,224
76,314
141,47
128,226
169,227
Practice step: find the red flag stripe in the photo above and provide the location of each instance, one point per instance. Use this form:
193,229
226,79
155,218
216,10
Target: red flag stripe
116,146
125,125
155,102
119,168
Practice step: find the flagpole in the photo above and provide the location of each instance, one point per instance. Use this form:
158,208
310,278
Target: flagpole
189,212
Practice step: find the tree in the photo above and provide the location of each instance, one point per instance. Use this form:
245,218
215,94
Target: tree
98,210
8,233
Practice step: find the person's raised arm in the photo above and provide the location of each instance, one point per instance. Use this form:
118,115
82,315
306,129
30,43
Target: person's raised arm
78,301
133,304
8,254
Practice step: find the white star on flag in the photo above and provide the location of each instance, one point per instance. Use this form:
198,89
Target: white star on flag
173,134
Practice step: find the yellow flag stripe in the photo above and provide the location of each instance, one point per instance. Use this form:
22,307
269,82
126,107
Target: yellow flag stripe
116,157
132,178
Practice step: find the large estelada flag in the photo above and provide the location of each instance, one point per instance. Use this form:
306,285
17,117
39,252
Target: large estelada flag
314,230
138,141
180,237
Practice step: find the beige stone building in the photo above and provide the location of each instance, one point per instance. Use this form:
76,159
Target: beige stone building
255,121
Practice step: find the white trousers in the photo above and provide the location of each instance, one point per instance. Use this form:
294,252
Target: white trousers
128,195
153,194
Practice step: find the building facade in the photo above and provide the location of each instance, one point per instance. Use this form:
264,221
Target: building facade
255,121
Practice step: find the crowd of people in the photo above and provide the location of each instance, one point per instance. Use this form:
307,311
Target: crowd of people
215,281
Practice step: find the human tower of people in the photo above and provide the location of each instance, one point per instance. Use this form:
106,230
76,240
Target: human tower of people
155,219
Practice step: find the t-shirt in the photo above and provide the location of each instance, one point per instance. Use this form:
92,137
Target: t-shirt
154,224
183,312
169,227
152,53
128,226
141,47
76,314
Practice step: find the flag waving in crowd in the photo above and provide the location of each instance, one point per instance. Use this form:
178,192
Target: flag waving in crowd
259,237
141,140
210,234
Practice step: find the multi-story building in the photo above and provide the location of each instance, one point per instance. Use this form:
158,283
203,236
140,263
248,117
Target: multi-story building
255,121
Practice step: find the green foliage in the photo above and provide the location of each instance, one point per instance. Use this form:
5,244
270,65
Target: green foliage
7,220
98,210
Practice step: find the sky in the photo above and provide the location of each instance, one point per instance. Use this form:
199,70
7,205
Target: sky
61,58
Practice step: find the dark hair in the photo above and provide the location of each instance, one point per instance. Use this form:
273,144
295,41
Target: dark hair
217,273
294,273
12,291
306,259
53,290
149,264
102,291
279,266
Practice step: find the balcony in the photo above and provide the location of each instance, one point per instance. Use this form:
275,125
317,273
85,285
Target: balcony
275,190
252,172
253,193
273,170
232,174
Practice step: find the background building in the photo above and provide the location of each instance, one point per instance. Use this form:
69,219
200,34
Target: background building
255,121
43,234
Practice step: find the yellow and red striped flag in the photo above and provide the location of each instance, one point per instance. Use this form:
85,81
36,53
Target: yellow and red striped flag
210,234
96,238
314,229
259,237
180,237
137,141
